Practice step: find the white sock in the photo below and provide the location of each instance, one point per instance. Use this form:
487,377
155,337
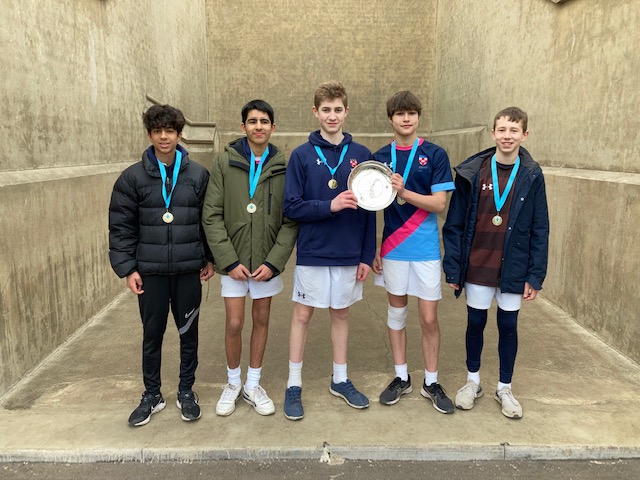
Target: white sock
430,377
339,373
295,375
233,375
253,378
402,372
504,385
474,377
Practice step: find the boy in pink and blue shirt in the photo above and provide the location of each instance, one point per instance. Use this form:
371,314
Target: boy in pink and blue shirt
408,262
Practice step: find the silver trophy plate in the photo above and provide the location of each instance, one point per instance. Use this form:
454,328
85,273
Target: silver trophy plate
371,183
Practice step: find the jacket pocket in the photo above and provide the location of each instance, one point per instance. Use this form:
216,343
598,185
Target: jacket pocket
518,260
235,230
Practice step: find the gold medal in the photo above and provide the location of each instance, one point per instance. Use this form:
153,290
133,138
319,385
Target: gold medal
401,201
167,217
333,184
497,220
251,208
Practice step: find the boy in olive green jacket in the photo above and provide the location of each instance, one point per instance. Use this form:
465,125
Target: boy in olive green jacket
251,241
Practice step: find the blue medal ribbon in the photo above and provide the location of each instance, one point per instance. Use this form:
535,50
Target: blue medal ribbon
497,198
412,155
333,170
163,175
254,173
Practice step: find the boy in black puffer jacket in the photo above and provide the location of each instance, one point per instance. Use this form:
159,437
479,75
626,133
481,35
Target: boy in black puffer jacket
157,243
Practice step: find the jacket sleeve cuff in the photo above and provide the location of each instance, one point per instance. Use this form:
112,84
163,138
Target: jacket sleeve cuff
231,267
275,271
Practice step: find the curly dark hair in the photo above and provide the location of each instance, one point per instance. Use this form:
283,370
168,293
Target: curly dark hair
163,116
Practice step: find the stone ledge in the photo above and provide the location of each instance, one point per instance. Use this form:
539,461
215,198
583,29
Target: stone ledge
595,175
59,173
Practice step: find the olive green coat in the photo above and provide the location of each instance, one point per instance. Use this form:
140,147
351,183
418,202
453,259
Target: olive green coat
235,235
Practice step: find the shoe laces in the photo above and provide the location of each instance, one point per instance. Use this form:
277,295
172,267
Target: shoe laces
229,393
294,395
471,386
438,390
396,384
149,398
350,388
187,397
259,395
509,394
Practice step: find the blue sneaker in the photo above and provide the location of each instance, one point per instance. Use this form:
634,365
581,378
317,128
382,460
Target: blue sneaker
349,393
293,403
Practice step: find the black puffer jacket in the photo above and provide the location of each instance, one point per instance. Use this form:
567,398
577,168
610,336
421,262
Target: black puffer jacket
138,238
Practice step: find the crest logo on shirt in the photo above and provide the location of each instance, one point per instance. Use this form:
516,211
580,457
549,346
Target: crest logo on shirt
487,186
353,162
318,161
423,161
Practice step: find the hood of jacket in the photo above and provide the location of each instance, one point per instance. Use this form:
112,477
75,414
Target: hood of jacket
316,139
240,155
471,166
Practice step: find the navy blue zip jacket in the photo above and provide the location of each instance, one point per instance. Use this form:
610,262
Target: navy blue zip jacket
343,238
527,238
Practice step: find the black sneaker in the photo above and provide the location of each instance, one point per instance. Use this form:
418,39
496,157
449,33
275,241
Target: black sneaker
149,405
438,396
395,390
187,402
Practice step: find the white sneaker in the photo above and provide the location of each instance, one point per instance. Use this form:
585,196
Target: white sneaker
510,406
227,403
466,396
259,399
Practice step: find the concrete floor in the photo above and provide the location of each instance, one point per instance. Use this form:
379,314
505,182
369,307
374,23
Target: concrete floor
580,397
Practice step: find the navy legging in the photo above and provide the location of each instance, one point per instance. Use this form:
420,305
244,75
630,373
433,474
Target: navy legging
507,340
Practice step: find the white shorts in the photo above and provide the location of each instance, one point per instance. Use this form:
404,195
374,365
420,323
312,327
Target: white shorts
480,297
419,279
256,290
326,287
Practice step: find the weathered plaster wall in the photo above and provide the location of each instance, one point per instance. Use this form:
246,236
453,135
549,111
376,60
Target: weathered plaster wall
282,50
574,68
74,79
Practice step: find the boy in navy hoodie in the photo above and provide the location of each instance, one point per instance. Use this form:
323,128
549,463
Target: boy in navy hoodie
336,241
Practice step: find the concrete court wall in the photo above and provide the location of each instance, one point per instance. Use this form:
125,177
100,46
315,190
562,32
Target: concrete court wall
574,68
283,49
74,79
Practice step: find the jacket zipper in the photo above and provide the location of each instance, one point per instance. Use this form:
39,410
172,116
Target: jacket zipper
168,187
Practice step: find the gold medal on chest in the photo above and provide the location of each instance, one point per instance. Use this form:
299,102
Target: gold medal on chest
401,201
167,217
497,220
333,184
251,208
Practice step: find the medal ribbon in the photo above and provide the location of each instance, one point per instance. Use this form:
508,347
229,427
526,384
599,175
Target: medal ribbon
412,155
332,171
497,198
254,174
163,175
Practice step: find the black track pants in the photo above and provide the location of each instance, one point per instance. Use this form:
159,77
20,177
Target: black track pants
183,294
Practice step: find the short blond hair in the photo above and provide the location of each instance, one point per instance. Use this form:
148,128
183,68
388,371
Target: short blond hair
328,91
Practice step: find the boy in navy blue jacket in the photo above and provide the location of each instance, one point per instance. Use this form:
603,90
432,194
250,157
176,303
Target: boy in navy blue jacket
496,239
336,241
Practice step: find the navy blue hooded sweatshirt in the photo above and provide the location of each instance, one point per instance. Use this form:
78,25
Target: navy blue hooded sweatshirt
344,238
